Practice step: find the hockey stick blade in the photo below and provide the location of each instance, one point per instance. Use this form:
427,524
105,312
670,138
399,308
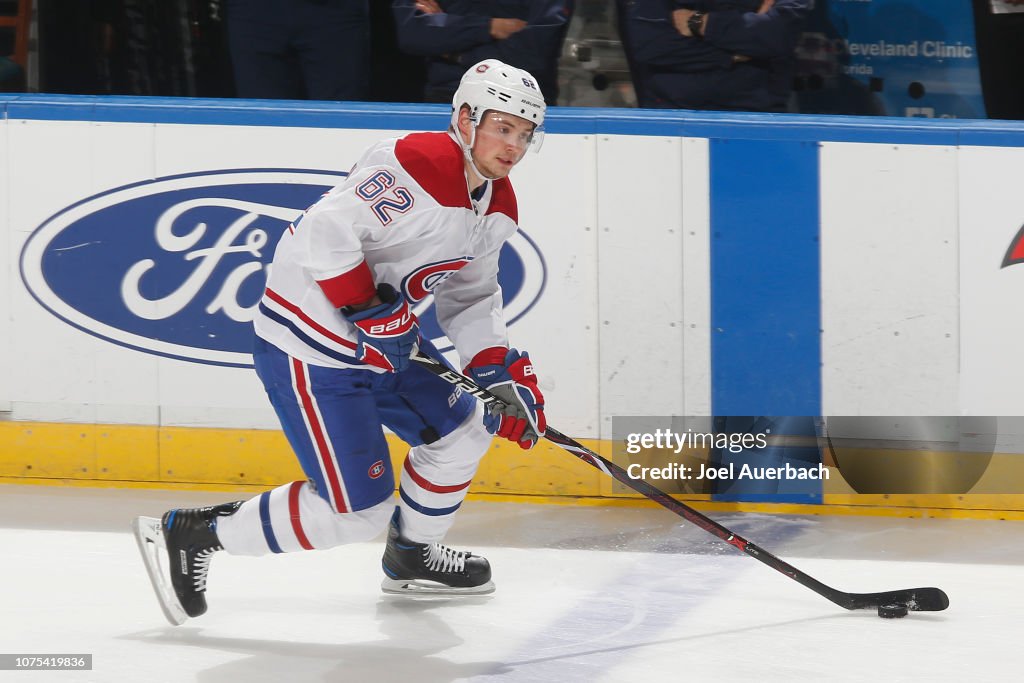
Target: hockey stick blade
916,599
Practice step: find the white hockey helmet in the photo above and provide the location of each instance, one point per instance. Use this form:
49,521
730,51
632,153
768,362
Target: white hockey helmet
492,85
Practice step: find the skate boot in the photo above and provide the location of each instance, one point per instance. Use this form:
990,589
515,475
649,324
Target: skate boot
189,539
431,568
191,543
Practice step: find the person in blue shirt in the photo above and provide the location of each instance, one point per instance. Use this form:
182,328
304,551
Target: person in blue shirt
455,34
715,54
300,49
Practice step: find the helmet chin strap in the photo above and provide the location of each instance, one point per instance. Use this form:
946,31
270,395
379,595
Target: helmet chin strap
467,151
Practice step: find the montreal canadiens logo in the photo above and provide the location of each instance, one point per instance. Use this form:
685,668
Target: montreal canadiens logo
376,470
176,266
421,282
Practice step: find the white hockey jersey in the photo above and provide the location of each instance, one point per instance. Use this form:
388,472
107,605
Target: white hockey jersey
404,216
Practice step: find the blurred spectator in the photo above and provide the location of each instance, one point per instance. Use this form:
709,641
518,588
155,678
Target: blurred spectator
132,47
716,54
823,83
76,45
637,71
999,31
394,75
207,49
455,34
300,49
12,71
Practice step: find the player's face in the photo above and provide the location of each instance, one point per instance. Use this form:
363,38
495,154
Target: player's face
501,141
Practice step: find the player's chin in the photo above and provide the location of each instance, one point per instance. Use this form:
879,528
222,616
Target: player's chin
502,168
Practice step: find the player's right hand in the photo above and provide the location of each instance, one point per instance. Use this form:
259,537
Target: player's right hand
388,332
509,375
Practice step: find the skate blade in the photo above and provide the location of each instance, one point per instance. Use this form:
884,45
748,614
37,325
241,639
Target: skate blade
421,587
150,540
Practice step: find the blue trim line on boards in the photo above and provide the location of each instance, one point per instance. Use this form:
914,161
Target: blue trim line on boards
560,120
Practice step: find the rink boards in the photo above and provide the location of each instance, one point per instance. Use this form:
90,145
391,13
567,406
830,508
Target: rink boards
669,264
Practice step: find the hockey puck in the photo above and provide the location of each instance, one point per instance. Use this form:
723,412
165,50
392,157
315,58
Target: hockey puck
894,611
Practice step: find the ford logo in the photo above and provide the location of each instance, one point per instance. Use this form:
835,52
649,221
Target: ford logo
176,266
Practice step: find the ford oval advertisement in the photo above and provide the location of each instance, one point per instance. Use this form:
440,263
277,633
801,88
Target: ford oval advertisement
176,266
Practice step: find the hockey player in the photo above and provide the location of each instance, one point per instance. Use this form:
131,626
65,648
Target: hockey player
424,214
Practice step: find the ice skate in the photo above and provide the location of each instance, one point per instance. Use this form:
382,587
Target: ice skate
188,541
431,568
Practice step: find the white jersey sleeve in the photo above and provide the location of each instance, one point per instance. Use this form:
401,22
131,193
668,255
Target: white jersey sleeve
331,239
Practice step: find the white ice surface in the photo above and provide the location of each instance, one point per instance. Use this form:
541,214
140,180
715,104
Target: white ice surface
584,594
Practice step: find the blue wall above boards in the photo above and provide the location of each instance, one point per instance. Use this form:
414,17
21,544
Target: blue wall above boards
562,120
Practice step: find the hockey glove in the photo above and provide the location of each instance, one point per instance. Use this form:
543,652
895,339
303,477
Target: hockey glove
388,332
508,374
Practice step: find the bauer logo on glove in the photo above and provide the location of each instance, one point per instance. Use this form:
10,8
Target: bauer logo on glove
388,332
510,376
390,328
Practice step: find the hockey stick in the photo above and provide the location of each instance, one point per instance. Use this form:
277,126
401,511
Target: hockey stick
916,599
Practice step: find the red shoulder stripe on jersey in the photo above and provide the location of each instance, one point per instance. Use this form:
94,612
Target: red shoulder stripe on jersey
503,200
434,161
353,287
